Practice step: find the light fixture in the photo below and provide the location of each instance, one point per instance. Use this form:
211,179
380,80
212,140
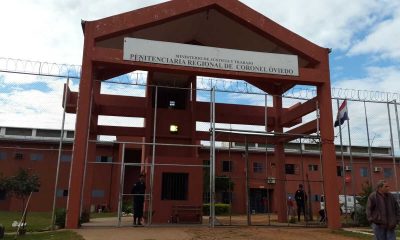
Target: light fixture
173,128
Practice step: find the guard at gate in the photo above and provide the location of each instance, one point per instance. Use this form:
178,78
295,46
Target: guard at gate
138,191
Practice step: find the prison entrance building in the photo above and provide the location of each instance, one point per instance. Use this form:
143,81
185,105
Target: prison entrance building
176,42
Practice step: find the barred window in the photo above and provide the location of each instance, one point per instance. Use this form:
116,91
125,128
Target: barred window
98,193
289,168
387,172
103,159
62,193
66,158
3,156
258,167
227,166
313,167
36,156
175,186
364,172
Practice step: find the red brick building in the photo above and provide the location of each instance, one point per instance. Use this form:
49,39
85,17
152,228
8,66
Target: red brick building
37,150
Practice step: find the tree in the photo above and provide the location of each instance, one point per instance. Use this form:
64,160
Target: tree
21,185
362,200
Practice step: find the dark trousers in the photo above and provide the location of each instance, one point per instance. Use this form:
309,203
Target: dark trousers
138,203
300,207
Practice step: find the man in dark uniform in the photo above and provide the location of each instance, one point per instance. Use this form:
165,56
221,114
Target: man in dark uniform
138,190
300,197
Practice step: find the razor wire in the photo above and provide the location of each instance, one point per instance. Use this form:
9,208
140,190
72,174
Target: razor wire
22,66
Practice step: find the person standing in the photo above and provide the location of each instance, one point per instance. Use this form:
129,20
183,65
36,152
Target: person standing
138,191
300,197
383,212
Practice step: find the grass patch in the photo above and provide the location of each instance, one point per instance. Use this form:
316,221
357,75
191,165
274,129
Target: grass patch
103,215
58,235
36,221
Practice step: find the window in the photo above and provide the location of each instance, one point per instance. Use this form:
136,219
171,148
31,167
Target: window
19,131
258,167
36,156
2,195
174,186
103,159
62,193
313,167
317,198
98,193
48,133
387,172
66,158
227,166
227,197
19,156
364,172
289,168
206,163
339,171
171,98
3,156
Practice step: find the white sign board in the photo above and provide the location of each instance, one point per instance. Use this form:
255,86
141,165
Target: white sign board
149,51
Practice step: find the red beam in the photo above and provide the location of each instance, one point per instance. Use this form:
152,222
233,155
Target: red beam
305,129
299,111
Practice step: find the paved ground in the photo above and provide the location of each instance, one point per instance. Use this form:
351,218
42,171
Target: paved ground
106,228
203,233
99,229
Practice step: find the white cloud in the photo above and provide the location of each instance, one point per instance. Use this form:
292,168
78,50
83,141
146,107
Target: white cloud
331,24
382,39
50,30
383,79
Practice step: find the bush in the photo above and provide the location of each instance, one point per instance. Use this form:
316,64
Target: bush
220,209
362,205
85,217
1,231
60,217
127,206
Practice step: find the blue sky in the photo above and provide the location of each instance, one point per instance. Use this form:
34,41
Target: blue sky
363,35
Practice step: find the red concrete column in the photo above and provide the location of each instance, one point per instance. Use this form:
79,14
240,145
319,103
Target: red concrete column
279,156
328,155
88,180
81,133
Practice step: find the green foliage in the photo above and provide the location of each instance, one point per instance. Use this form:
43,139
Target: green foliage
61,214
58,235
361,216
223,184
127,206
1,231
220,209
20,185
36,221
85,217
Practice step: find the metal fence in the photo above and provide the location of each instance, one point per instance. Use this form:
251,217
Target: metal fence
233,170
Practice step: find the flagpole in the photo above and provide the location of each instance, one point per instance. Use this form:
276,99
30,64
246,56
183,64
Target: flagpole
369,147
392,145
398,128
352,169
341,153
